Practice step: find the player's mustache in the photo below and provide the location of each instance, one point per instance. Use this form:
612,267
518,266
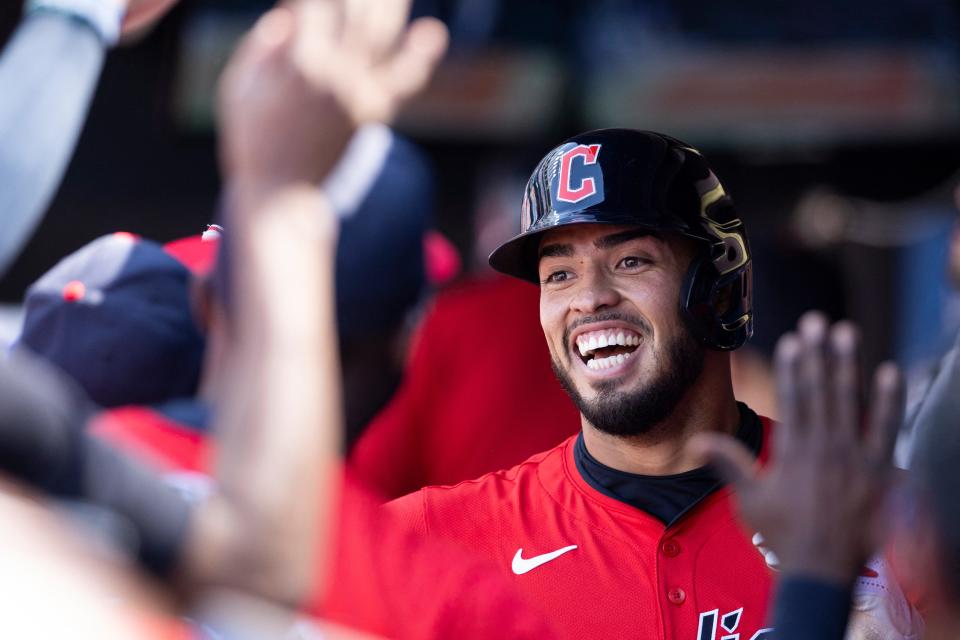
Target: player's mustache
638,321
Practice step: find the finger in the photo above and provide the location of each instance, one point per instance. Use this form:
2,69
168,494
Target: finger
421,50
727,455
813,328
353,14
845,390
317,25
384,27
886,412
786,363
266,41
274,29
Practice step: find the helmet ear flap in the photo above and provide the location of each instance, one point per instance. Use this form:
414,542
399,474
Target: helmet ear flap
717,308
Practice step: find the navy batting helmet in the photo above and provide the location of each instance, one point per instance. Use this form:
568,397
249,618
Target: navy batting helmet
646,179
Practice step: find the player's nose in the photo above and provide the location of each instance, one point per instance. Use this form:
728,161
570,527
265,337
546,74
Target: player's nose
595,292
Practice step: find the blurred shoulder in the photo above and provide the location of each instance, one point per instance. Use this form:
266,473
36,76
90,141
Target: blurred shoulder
477,498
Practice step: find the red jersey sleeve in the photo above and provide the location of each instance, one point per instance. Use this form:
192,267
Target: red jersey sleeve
408,513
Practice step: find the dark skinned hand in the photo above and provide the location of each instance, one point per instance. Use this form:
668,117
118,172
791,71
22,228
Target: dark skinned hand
817,503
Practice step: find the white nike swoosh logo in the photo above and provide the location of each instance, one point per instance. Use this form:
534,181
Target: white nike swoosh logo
521,566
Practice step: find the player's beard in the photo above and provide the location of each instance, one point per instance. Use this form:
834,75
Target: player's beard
637,412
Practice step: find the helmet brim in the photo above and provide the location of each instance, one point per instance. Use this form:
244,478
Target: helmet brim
519,256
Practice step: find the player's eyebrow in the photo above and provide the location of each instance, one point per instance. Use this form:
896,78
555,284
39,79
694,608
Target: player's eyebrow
616,239
556,251
562,250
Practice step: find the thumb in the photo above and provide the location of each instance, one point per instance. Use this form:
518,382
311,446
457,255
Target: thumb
727,455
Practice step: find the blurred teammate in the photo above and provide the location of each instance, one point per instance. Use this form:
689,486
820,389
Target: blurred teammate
116,316
927,535
132,322
921,377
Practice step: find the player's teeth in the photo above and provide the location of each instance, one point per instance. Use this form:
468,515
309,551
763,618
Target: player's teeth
620,339
626,356
581,347
593,343
601,342
598,364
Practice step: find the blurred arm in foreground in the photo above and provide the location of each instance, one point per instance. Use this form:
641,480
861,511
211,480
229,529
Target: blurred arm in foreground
49,72
299,86
296,90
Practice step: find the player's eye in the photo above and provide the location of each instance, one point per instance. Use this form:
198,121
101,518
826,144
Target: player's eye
557,277
632,262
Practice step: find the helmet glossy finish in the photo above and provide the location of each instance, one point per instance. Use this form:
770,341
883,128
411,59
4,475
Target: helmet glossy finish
646,179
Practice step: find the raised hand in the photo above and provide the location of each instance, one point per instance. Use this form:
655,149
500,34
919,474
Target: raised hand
818,501
309,74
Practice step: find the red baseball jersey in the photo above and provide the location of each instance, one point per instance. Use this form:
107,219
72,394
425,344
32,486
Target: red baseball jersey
597,567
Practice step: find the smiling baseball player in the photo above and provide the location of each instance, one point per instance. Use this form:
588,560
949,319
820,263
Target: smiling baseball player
645,286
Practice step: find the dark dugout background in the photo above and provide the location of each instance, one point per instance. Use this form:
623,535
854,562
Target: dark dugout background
524,75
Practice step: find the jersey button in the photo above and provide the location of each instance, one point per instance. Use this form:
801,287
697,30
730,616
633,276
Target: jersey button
676,595
670,548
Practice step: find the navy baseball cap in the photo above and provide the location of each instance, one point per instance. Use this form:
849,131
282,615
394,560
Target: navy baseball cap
116,316
384,195
381,269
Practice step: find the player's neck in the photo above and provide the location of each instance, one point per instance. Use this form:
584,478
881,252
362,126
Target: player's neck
708,405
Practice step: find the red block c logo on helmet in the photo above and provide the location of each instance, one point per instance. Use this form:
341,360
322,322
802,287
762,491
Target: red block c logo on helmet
572,187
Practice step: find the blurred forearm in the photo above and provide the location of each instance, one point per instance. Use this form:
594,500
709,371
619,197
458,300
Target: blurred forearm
282,426
290,100
48,74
